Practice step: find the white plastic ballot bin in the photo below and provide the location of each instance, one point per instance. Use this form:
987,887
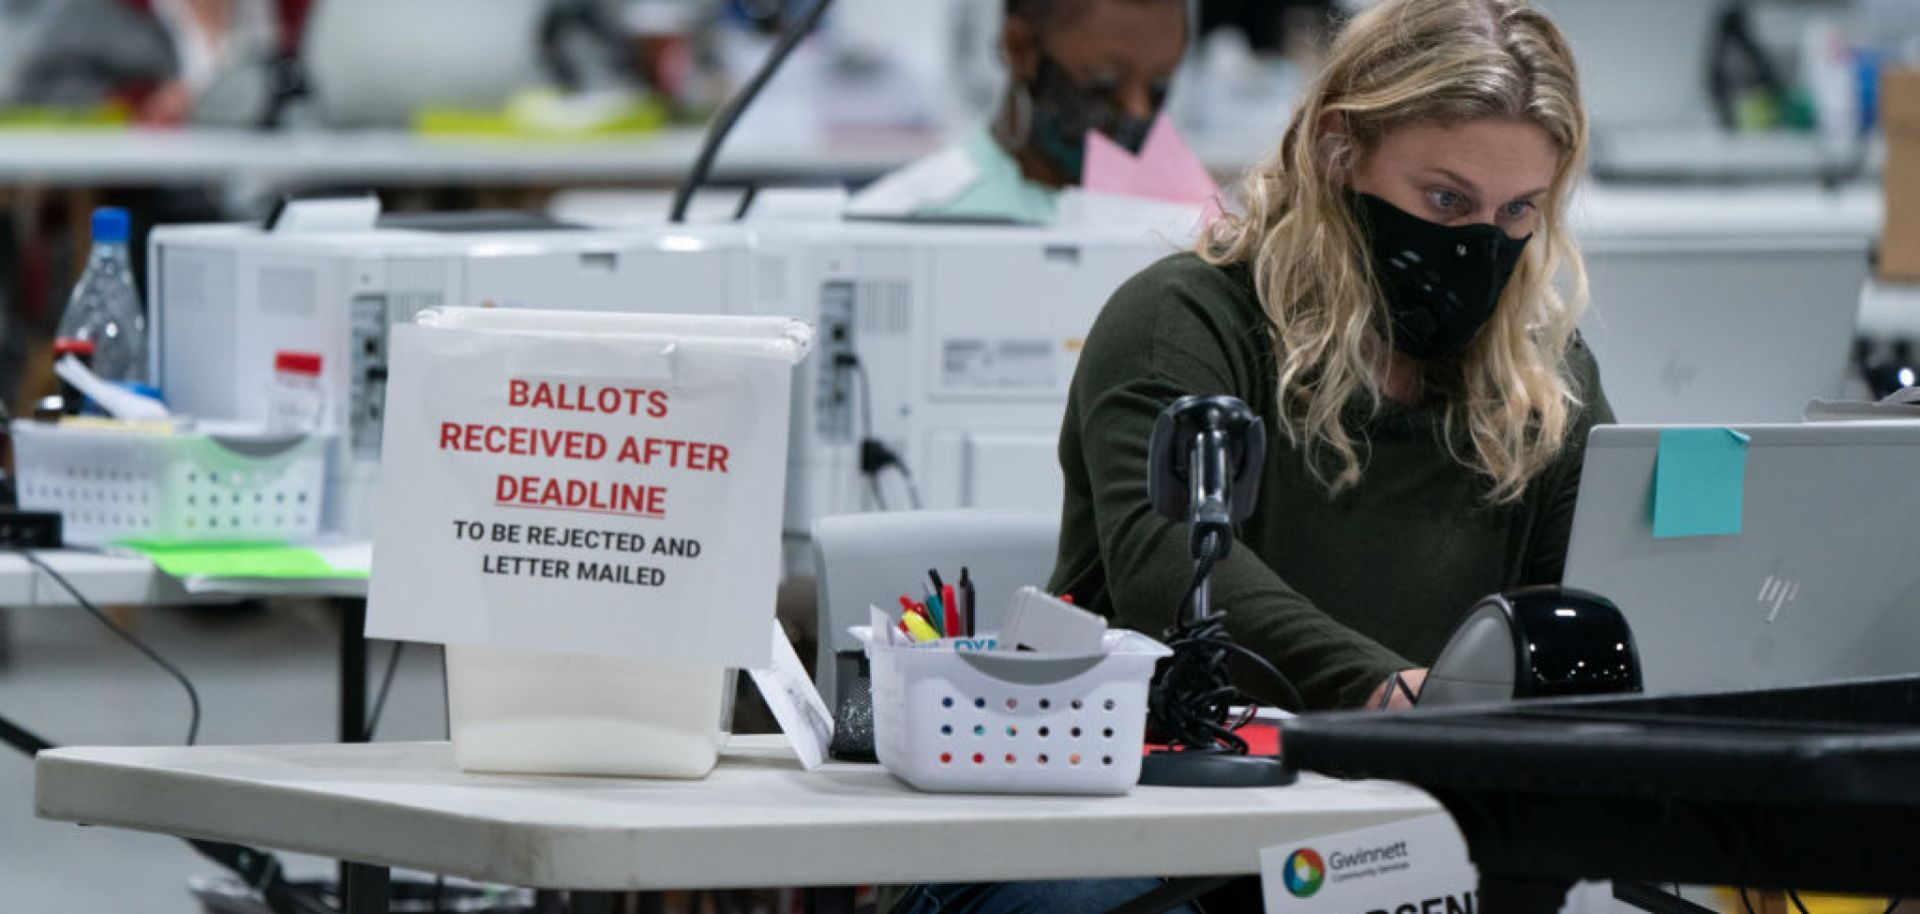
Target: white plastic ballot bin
588,632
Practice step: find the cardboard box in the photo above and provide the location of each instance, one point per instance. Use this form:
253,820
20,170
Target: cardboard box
1900,118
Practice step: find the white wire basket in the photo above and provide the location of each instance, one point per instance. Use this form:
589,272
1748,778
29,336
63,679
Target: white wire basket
116,484
1013,722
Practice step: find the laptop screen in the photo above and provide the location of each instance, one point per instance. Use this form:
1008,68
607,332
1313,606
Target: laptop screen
1819,584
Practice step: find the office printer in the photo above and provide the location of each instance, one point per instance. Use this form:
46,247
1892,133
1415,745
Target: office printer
967,335
223,299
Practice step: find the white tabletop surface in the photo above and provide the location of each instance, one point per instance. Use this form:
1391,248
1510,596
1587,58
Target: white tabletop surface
757,820
133,580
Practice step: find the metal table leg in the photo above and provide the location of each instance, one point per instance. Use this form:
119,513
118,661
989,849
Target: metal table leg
589,903
365,889
353,670
832,899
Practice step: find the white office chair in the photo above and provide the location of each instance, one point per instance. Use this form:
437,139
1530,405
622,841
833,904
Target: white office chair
871,559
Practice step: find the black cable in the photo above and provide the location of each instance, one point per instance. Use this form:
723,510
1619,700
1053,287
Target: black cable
1743,900
259,870
875,456
736,106
1191,700
386,685
849,360
193,695
1794,897
1893,903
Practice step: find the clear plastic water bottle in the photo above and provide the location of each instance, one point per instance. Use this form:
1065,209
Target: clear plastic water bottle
105,308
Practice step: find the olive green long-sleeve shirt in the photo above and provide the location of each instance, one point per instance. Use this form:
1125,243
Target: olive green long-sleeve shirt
1336,590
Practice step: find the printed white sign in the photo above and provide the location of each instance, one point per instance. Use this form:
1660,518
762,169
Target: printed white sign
1418,866
607,494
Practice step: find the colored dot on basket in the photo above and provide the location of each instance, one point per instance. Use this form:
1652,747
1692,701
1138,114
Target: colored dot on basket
1108,733
946,729
979,702
1076,704
1073,759
1044,731
1045,704
1042,758
946,758
1013,730
978,758
1009,758
1076,733
1109,704
979,730
1012,703
1106,760
946,702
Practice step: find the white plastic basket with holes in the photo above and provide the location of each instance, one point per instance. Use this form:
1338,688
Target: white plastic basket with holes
114,484
1012,722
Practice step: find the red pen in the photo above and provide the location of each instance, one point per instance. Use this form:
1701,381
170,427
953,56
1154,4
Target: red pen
953,627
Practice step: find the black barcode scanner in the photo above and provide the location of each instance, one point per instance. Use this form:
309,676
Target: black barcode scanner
1204,462
1537,642
1205,459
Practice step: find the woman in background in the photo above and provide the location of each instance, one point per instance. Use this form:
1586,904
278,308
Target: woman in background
1072,66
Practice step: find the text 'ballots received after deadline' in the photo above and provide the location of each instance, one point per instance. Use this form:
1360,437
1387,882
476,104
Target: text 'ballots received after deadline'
584,483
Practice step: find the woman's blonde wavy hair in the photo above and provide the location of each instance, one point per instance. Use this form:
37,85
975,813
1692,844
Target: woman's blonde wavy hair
1509,400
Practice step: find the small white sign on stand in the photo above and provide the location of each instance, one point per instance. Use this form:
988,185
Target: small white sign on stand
1418,866
606,484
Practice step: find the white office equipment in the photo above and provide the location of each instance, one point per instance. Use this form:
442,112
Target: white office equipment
969,336
224,299
1819,584
1702,330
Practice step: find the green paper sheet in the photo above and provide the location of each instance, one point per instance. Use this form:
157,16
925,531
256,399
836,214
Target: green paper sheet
240,560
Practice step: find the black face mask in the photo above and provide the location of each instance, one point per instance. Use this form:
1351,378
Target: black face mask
1064,111
1441,282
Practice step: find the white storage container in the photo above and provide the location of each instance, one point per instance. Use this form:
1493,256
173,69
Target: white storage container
515,710
1013,722
112,484
528,712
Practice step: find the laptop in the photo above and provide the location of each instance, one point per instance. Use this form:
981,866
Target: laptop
1717,331
1821,583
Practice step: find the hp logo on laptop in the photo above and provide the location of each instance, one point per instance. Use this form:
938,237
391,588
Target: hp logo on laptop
1776,593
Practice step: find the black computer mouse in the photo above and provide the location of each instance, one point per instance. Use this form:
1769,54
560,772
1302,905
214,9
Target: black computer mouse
1537,642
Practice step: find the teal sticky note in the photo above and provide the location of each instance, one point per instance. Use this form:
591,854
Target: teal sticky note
1698,482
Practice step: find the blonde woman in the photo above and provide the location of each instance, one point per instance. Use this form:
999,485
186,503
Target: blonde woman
1386,300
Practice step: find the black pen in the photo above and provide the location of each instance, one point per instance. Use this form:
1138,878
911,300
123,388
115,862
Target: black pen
966,601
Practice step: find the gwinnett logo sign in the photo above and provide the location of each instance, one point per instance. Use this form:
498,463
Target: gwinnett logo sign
1305,873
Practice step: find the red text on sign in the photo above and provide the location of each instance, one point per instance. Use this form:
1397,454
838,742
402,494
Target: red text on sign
585,398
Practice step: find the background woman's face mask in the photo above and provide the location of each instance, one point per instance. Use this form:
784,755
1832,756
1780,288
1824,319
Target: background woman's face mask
1065,110
1441,283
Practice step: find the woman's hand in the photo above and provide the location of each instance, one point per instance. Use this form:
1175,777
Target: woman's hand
1388,697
